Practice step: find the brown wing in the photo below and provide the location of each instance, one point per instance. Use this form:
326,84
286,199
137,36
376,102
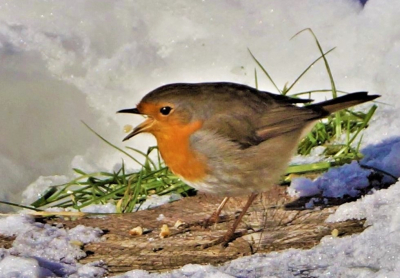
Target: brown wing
251,127
284,119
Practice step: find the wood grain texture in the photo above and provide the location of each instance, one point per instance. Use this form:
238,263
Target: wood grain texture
270,227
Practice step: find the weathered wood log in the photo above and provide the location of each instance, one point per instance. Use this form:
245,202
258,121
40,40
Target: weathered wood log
270,227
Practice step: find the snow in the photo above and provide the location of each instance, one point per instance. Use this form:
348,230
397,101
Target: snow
42,250
303,187
336,182
15,224
153,201
35,190
384,155
100,208
62,63
13,266
349,179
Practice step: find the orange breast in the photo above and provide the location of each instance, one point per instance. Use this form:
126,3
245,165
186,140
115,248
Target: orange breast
174,147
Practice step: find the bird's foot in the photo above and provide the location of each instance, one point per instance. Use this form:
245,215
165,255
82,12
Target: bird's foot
223,240
215,219
207,222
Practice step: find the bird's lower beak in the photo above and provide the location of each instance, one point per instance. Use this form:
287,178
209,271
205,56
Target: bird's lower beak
143,127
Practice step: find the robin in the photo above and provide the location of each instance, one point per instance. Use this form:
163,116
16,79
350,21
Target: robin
230,139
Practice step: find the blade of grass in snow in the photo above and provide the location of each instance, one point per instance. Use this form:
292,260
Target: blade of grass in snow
306,70
115,147
19,206
256,79
265,71
323,56
328,69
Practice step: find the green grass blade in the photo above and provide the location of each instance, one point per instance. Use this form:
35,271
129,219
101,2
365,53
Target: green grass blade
19,206
318,166
265,72
112,145
328,69
146,156
323,57
308,68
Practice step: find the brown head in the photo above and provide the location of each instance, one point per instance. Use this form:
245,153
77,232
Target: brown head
164,111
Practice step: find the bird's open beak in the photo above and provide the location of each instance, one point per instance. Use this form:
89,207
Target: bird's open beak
140,128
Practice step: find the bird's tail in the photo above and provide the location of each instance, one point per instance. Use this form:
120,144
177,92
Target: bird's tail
344,102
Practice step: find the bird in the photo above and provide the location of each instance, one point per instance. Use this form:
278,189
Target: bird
230,139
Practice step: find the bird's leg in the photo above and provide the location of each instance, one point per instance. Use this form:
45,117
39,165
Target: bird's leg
230,234
214,218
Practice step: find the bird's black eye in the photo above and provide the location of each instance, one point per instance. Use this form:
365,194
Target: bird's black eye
165,110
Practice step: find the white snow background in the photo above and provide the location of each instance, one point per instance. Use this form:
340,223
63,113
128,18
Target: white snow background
65,61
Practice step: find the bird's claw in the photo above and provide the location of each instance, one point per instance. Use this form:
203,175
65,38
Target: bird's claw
223,240
215,219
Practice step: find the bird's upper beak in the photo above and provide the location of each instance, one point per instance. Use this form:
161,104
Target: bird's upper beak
129,110
140,128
